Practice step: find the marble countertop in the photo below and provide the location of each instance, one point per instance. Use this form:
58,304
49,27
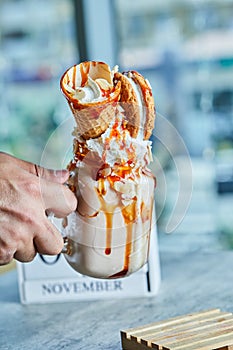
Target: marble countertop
191,282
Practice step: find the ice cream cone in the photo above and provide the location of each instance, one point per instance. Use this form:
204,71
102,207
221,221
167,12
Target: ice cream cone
92,97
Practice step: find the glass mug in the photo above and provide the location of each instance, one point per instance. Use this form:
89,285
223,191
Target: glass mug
107,236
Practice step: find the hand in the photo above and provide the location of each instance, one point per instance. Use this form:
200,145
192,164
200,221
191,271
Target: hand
27,194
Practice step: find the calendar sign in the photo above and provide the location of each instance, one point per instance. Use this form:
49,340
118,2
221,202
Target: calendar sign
51,279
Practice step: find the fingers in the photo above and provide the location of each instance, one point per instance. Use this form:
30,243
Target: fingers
6,255
26,254
23,245
27,191
57,198
58,176
50,241
16,244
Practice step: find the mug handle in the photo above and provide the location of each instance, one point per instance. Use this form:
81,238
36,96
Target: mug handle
66,248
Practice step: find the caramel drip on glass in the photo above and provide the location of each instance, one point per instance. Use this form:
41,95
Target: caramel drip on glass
108,211
108,216
101,188
108,248
129,214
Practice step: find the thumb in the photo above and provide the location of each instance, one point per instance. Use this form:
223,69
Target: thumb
58,176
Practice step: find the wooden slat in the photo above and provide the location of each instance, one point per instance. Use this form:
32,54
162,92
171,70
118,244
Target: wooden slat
128,344
181,342
171,321
183,333
216,342
197,326
207,330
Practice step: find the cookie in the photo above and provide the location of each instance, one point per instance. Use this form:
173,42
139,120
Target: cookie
138,103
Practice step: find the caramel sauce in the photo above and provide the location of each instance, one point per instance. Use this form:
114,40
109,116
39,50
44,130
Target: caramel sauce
112,179
80,150
128,248
145,212
84,70
74,77
103,172
131,212
108,251
108,211
124,170
101,189
106,93
71,166
109,217
130,215
112,95
115,132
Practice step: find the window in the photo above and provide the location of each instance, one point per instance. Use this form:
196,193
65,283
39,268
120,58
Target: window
185,49
38,42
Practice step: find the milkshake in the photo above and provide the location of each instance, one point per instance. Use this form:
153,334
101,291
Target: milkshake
109,234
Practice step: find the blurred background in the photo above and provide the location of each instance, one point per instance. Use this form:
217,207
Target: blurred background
184,48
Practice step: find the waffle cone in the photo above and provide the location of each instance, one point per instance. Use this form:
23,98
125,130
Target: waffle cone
92,118
93,121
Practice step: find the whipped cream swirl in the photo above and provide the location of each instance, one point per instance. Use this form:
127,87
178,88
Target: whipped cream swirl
116,146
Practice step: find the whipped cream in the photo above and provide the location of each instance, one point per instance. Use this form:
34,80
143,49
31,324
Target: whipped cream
94,90
116,146
91,92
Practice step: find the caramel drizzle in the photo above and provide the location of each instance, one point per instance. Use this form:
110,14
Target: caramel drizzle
74,77
84,70
130,213
108,211
109,217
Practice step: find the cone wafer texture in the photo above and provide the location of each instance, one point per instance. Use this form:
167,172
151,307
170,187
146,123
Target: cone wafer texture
92,96
138,103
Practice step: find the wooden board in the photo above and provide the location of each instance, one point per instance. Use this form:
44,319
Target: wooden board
206,330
